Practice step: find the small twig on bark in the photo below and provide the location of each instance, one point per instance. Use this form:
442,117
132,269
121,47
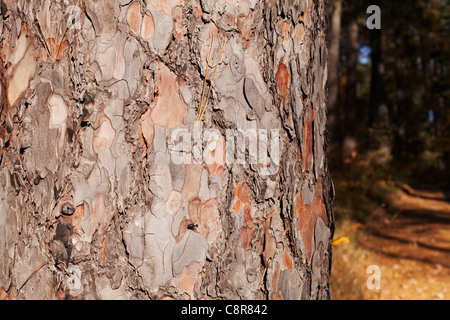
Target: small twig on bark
204,80
31,275
202,110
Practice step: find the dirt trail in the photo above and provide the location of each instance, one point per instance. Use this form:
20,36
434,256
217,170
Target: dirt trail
411,244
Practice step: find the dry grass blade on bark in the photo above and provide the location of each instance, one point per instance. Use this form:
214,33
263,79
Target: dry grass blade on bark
203,109
31,275
204,80
54,49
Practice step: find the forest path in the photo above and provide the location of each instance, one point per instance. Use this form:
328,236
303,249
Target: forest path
410,242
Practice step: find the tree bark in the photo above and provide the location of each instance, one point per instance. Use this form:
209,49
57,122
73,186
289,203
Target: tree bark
94,203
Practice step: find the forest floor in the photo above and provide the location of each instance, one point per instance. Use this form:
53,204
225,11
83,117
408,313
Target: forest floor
408,238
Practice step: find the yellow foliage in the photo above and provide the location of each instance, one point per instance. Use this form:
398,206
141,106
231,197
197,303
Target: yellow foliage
340,240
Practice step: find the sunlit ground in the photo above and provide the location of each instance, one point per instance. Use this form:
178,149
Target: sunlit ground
407,236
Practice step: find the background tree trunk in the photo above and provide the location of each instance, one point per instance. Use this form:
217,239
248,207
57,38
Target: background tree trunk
92,204
333,72
377,120
350,124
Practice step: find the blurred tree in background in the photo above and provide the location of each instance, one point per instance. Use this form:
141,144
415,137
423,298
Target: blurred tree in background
389,134
389,90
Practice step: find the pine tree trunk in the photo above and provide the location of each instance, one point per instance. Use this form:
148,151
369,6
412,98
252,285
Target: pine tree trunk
109,190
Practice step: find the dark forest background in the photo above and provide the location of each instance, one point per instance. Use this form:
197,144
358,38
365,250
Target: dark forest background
389,116
388,104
